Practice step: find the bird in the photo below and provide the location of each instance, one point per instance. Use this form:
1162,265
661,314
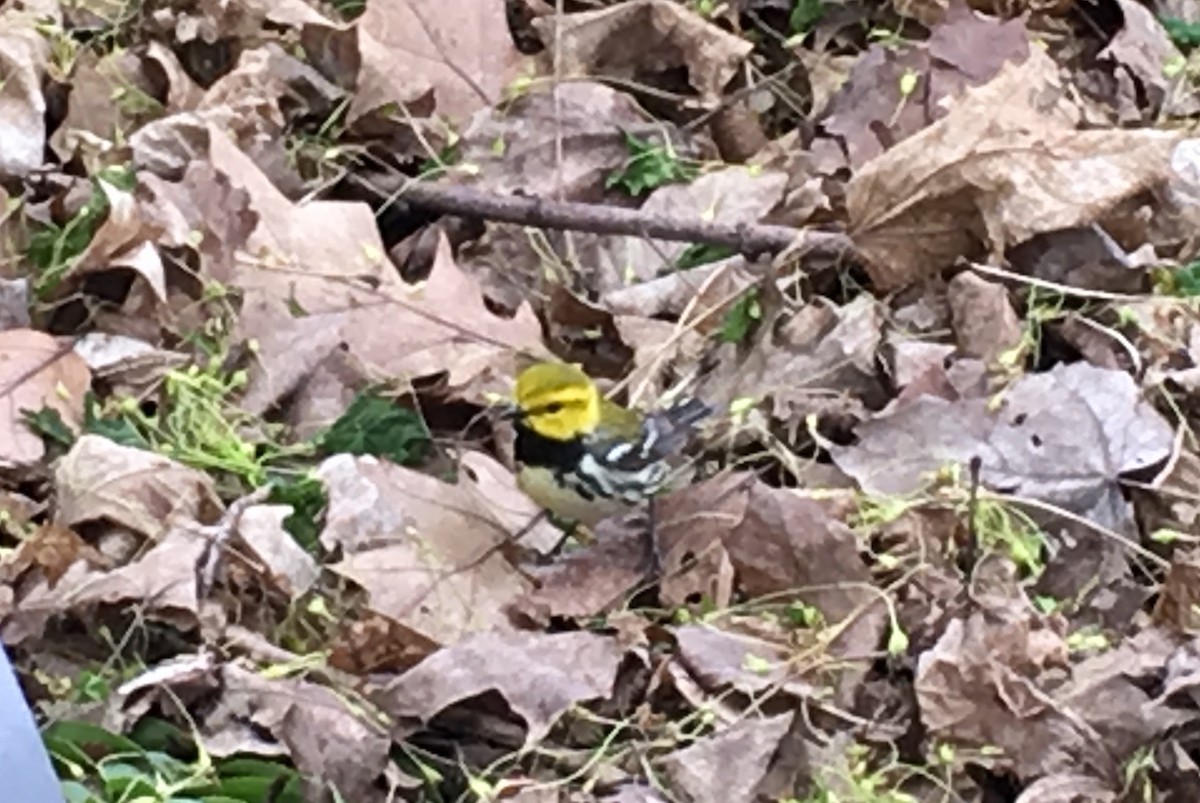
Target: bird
583,457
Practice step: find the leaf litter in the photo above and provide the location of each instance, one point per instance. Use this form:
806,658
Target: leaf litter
937,544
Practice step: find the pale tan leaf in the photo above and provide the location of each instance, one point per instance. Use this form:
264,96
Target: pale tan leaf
1006,163
36,371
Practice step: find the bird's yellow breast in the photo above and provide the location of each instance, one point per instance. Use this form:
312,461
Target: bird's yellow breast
542,487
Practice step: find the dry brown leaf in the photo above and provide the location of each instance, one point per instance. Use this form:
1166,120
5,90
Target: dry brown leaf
146,493
641,41
729,766
36,371
319,279
618,268
163,582
300,719
1178,605
1005,164
660,350
734,195
777,543
23,57
589,581
111,96
289,567
50,550
821,360
1142,57
539,675
719,660
985,323
719,284
871,112
995,679
459,48
127,365
1085,257
1067,787
514,148
1064,436
426,551
123,240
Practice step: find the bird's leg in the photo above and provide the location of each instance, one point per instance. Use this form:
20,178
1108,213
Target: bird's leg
656,563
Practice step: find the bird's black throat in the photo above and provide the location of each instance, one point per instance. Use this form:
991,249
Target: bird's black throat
533,449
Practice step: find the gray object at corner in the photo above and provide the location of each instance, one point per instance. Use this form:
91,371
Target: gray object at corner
25,772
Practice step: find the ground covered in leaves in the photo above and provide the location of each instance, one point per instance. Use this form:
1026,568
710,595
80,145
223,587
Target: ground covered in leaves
264,270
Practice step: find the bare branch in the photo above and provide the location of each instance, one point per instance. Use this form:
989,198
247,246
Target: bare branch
544,213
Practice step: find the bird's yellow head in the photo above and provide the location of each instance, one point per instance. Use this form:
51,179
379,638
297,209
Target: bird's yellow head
557,400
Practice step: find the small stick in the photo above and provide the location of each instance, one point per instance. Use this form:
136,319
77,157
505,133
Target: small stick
544,213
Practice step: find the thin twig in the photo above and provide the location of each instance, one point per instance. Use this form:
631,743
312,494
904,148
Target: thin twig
544,213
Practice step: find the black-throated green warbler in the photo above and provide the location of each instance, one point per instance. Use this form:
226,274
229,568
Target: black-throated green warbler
583,457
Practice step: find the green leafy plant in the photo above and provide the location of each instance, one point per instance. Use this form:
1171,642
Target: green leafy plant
349,10
741,318
699,254
805,14
1010,531
649,167
1183,281
1185,35
376,426
53,249
97,766
308,500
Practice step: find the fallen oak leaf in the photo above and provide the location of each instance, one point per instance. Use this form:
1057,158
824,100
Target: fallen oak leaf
36,371
320,280
539,675
1005,164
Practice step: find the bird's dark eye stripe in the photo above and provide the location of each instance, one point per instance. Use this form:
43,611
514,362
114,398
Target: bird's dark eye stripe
551,408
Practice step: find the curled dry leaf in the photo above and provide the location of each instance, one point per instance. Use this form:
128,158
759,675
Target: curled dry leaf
1005,164
123,240
1085,257
313,725
36,371
427,552
640,41
290,568
995,679
163,582
540,676
739,756
714,287
777,543
141,491
1065,437
111,96
821,360
1143,57
459,48
872,112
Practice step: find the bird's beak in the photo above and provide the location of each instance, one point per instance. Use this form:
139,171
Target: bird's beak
508,410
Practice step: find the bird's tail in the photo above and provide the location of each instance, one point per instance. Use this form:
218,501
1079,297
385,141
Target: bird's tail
666,432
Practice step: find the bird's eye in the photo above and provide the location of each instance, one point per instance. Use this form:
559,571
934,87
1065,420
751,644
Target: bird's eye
554,407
